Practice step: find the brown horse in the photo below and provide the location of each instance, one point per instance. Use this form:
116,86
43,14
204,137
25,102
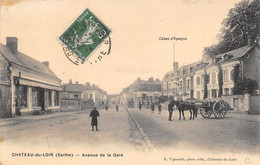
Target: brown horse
184,106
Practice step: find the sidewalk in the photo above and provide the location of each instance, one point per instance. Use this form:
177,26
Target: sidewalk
31,118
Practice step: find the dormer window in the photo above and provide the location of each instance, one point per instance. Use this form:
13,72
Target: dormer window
227,56
191,69
217,59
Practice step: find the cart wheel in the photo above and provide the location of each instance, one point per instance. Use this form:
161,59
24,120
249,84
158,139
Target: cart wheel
220,109
205,113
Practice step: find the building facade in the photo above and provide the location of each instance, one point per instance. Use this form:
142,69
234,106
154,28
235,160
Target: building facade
189,81
79,95
26,85
247,57
141,91
179,83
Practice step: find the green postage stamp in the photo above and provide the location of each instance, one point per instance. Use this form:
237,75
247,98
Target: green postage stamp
84,35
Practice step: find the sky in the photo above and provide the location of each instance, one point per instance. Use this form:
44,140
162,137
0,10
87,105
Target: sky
137,25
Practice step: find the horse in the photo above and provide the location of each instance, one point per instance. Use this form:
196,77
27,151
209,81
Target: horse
184,106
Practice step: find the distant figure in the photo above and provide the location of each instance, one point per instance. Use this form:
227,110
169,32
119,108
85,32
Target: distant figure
152,107
140,106
106,107
170,109
159,108
116,107
94,122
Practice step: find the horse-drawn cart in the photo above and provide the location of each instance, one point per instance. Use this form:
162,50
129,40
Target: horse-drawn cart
218,108
206,108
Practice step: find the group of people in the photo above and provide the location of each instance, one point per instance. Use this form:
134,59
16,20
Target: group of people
94,114
170,108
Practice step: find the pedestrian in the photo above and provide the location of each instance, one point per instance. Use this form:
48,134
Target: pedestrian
140,106
159,108
152,107
170,109
116,107
94,121
106,107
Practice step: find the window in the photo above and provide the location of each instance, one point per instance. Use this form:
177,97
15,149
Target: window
35,97
181,84
178,73
198,94
56,98
208,78
226,91
183,71
76,96
21,98
198,80
214,93
191,69
213,78
188,83
235,102
225,75
47,97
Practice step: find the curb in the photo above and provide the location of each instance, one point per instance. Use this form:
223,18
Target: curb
149,144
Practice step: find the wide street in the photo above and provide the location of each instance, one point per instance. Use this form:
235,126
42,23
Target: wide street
131,131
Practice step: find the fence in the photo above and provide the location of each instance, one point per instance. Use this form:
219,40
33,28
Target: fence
70,104
76,104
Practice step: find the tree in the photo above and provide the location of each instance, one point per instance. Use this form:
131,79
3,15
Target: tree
220,81
237,79
206,80
246,85
242,21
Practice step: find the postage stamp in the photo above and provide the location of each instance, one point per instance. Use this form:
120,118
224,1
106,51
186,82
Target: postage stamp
83,36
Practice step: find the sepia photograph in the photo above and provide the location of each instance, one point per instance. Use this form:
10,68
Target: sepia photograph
125,82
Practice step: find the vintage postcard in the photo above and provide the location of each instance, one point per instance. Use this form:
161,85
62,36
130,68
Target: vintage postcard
156,82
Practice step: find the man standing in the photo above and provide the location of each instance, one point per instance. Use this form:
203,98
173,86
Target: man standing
94,122
140,106
159,108
152,107
116,107
170,109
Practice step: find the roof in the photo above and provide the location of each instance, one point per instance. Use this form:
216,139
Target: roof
73,87
236,53
233,55
26,62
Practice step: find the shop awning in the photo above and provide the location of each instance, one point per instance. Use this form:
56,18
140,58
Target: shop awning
38,84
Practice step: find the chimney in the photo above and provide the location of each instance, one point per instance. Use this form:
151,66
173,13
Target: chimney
249,41
138,79
70,81
175,67
150,79
77,82
46,63
11,43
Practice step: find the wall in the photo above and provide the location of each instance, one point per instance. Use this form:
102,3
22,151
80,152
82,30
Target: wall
5,101
245,103
235,101
255,104
5,89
